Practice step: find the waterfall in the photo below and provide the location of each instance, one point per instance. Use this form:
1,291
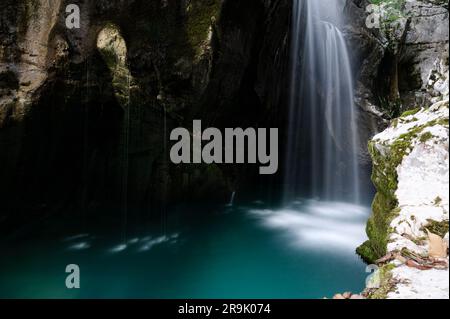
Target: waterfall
322,144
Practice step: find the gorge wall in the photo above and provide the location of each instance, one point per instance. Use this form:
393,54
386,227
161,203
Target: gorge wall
85,113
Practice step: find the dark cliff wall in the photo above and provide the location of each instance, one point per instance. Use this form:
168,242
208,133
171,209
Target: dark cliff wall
79,133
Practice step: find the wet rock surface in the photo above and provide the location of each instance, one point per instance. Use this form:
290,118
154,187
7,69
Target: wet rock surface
93,121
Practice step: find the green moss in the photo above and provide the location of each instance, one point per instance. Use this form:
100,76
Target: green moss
411,112
367,252
438,228
378,228
385,179
199,21
426,137
443,122
384,206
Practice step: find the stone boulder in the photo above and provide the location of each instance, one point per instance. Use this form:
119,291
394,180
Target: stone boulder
411,174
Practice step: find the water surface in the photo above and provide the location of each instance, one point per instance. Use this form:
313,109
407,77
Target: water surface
304,250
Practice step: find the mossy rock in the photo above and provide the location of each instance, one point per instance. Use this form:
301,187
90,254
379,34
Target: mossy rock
386,157
411,112
384,206
426,137
435,227
384,177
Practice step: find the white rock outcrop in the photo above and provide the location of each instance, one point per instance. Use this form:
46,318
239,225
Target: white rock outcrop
423,175
411,172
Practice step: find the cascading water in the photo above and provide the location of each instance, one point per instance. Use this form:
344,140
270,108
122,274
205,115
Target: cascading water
322,138
321,160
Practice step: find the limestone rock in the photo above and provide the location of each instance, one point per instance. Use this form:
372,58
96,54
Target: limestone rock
403,64
411,175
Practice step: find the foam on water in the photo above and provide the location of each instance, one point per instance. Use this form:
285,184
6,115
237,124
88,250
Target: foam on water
75,237
80,246
119,248
148,242
325,226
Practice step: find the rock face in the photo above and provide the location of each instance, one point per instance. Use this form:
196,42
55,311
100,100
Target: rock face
86,111
410,172
410,212
402,64
423,63
24,53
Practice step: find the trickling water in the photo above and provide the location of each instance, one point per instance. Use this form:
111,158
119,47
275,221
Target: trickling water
322,137
126,141
231,203
85,190
166,163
